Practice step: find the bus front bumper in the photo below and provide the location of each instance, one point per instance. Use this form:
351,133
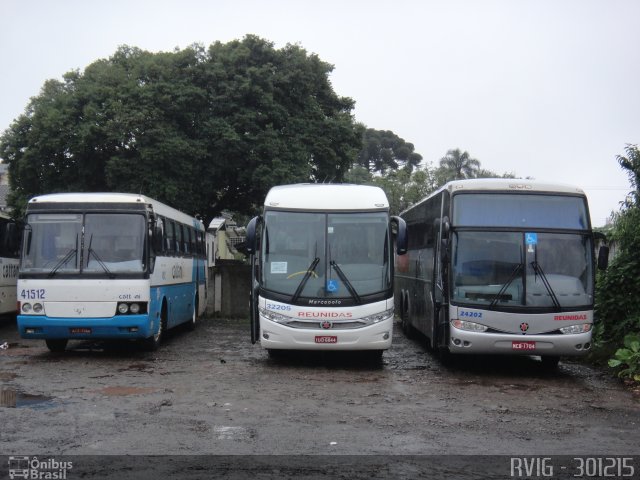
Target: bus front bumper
463,342
372,337
121,326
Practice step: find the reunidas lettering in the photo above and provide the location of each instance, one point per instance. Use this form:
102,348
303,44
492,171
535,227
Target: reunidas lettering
571,317
325,314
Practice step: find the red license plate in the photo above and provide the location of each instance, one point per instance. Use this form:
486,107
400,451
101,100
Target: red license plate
80,330
523,345
326,339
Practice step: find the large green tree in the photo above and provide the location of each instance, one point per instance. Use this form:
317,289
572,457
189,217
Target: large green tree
457,165
201,129
383,150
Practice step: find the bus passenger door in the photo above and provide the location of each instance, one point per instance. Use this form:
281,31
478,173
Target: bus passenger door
253,248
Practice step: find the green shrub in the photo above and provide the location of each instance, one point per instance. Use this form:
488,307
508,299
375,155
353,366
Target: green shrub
628,358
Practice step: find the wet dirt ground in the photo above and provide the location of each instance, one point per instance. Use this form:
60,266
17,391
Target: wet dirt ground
210,392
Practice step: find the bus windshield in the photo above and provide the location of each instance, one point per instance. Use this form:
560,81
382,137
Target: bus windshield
529,269
326,255
76,243
520,210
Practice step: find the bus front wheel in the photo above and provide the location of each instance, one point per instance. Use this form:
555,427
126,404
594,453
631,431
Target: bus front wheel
56,345
152,343
550,362
194,317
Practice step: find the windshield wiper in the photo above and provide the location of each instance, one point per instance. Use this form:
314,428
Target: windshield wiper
304,280
538,270
64,259
346,281
90,252
513,275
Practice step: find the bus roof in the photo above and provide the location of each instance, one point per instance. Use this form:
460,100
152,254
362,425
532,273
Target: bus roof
501,185
510,185
112,197
327,196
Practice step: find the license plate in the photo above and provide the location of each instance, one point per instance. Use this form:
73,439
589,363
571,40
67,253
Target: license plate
80,330
523,345
326,339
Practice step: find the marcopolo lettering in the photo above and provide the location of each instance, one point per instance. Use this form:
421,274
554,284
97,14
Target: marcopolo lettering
314,301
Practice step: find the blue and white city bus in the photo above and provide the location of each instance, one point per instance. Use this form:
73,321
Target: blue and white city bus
500,266
322,258
108,266
9,254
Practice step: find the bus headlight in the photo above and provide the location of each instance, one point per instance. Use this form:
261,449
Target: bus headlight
273,316
378,317
134,308
573,329
469,326
37,308
26,308
123,308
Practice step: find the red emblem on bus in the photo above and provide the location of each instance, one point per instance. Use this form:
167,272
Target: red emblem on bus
326,325
524,327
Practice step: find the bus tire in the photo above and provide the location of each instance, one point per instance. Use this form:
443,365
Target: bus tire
57,345
440,343
152,343
374,356
194,318
407,329
550,362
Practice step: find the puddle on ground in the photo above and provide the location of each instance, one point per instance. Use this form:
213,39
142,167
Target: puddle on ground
123,391
14,399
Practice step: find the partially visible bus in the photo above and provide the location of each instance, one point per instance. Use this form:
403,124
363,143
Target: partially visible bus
500,266
108,266
322,263
9,253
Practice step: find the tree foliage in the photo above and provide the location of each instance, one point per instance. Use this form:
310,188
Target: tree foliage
200,129
383,150
457,165
618,287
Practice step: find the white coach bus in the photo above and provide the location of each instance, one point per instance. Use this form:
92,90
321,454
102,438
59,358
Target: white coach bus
108,266
322,258
500,266
9,254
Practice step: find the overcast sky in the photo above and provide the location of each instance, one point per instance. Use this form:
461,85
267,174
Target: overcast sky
542,88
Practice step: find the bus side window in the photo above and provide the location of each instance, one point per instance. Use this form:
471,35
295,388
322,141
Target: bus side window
192,241
177,238
187,240
171,237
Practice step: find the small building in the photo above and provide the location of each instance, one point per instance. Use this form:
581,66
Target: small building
223,237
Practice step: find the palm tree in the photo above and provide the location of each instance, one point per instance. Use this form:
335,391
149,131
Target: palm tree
457,166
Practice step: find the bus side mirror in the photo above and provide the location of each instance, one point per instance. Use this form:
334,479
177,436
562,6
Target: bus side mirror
157,239
27,239
402,237
603,257
11,238
252,236
603,251
446,227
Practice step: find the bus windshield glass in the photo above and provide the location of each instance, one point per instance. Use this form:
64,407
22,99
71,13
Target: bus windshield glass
519,210
512,269
326,255
106,243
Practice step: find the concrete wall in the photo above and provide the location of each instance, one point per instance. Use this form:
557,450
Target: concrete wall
229,287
